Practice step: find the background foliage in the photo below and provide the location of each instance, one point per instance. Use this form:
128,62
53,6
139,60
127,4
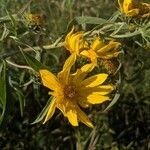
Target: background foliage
126,126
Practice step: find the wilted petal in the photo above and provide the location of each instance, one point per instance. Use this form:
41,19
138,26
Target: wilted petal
75,43
67,39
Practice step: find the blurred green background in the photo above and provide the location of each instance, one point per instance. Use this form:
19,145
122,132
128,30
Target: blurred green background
126,126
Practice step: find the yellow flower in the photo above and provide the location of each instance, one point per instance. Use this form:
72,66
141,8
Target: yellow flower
99,49
134,8
75,43
72,91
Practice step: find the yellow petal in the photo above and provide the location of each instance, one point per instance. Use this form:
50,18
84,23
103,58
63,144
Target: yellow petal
110,55
72,116
102,90
97,98
105,89
67,39
94,81
91,54
111,46
84,118
85,53
63,76
133,12
69,62
51,110
49,80
82,73
75,41
97,44
69,110
126,5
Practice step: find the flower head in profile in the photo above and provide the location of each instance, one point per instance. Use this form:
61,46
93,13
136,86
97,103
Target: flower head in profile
75,43
71,92
134,8
99,49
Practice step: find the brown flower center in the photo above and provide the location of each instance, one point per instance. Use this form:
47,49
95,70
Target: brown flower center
70,91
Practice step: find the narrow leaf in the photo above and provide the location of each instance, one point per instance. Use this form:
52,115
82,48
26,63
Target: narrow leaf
90,20
86,20
3,89
115,99
34,63
43,112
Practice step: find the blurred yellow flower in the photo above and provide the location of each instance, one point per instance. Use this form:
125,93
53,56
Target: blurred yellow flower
75,43
134,8
35,21
99,49
72,91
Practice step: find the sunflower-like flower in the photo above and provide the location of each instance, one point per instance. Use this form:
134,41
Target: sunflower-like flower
72,91
99,49
75,43
134,8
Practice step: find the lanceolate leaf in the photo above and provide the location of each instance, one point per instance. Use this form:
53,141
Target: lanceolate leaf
34,63
90,20
87,20
115,99
43,112
117,95
2,90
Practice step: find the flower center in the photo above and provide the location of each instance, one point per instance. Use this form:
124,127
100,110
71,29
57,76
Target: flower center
69,91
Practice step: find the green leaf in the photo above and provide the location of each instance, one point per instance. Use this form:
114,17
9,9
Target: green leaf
117,95
21,99
126,35
115,99
13,22
5,33
2,89
34,63
90,20
87,20
43,112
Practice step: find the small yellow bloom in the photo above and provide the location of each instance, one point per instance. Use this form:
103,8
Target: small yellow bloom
99,49
72,91
134,8
75,43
